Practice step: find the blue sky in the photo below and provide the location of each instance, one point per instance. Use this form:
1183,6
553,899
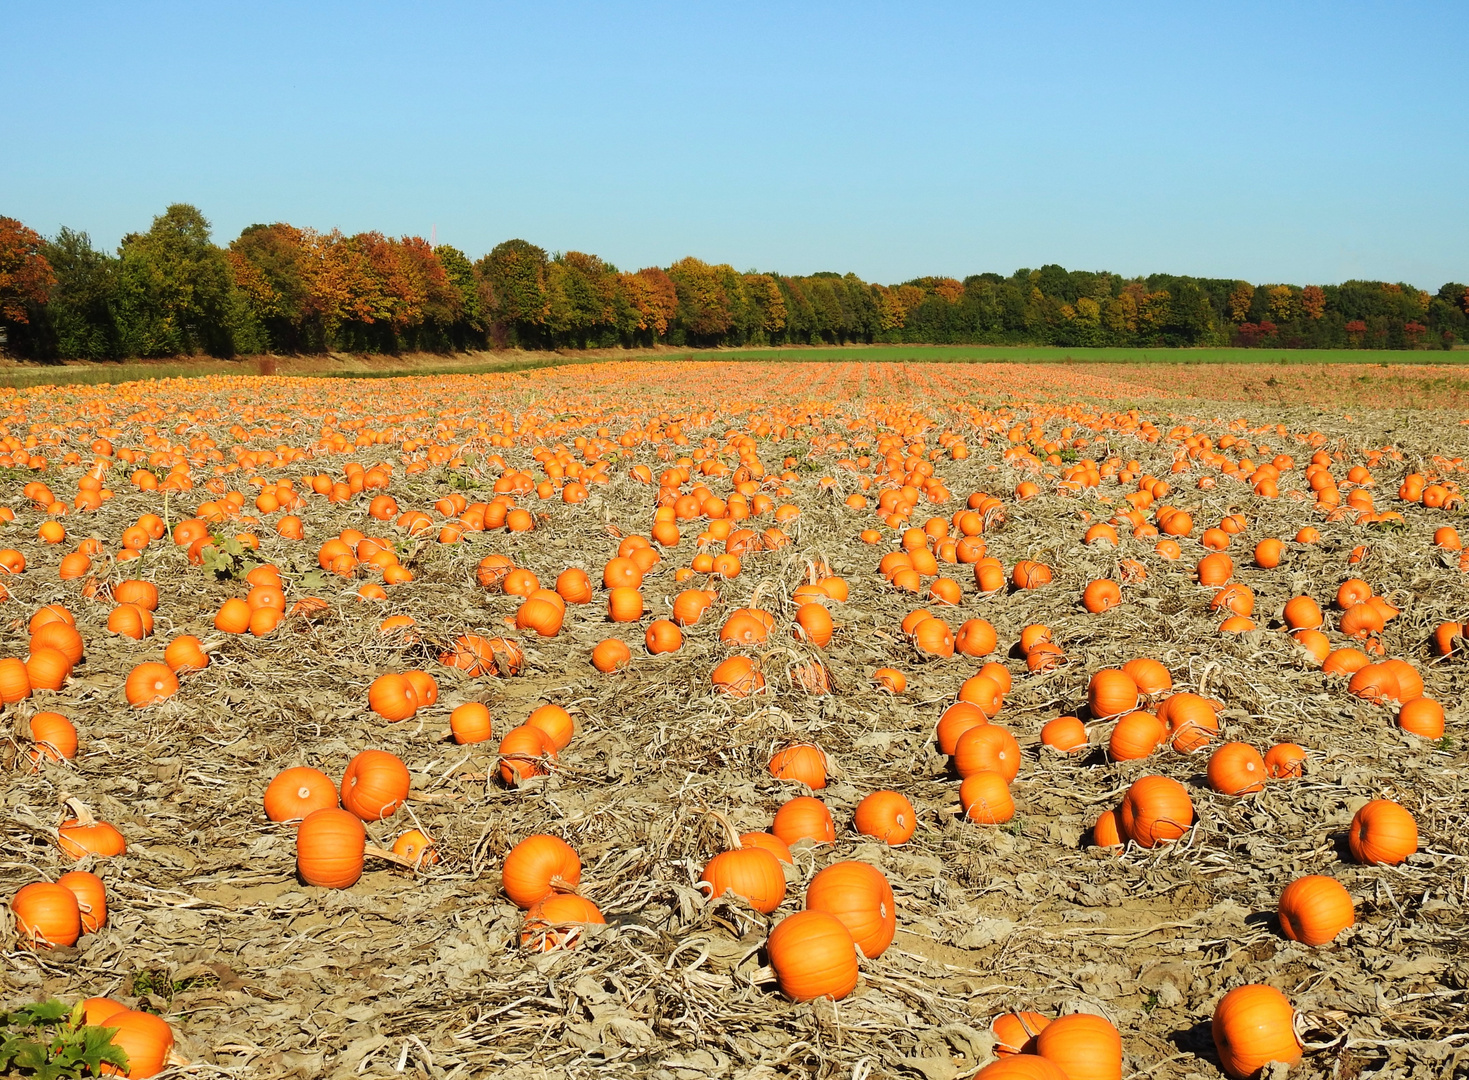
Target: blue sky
1304,142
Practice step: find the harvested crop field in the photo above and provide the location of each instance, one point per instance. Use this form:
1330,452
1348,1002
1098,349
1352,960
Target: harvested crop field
422,969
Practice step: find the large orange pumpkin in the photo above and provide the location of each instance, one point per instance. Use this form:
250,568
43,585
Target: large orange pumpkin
859,895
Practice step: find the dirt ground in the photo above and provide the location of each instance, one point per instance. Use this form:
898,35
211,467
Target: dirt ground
421,974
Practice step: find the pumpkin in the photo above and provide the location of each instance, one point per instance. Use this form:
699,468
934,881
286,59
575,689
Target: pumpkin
1083,1046
752,873
859,895
1375,683
1268,553
186,653
375,785
79,838
663,636
393,697
1101,595
804,818
54,735
932,637
611,654
559,921
1111,693
329,848
770,842
1253,1025
15,681
1214,569
1236,768
887,816
91,896
470,723
538,866
1284,761
1154,810
148,684
1064,733
1410,683
984,692
1352,592
574,586
1382,832
97,1009
417,848
544,617
1150,676
805,764
976,637
296,792
521,751
985,798
890,680
1422,716
59,636
1028,574
813,956
1314,909
1020,1067
1303,613
987,748
1015,1032
1107,830
147,1040
46,915
1135,736
555,722
958,719
689,606
737,677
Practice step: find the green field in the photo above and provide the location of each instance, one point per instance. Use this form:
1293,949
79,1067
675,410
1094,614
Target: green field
27,375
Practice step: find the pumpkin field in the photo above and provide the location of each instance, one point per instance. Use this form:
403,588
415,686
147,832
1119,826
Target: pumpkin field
748,720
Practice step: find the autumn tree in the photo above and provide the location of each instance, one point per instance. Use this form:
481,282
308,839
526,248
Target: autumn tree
1240,301
25,275
703,311
651,302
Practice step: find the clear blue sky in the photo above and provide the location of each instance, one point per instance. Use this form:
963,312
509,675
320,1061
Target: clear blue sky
1300,142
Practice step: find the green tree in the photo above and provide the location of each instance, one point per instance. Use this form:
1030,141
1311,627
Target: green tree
517,298
470,326
175,288
78,319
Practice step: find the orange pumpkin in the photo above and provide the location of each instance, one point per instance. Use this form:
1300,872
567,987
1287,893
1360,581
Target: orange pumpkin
805,764
804,818
1315,909
1155,809
521,752
1236,768
91,896
297,792
859,895
1382,832
374,785
46,915
1083,1046
329,848
538,866
752,873
985,799
1253,1025
813,955
887,816
1111,693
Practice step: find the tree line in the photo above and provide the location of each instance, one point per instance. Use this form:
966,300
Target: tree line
284,289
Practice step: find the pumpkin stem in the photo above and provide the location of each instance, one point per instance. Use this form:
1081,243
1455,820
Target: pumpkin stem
389,856
80,811
732,836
